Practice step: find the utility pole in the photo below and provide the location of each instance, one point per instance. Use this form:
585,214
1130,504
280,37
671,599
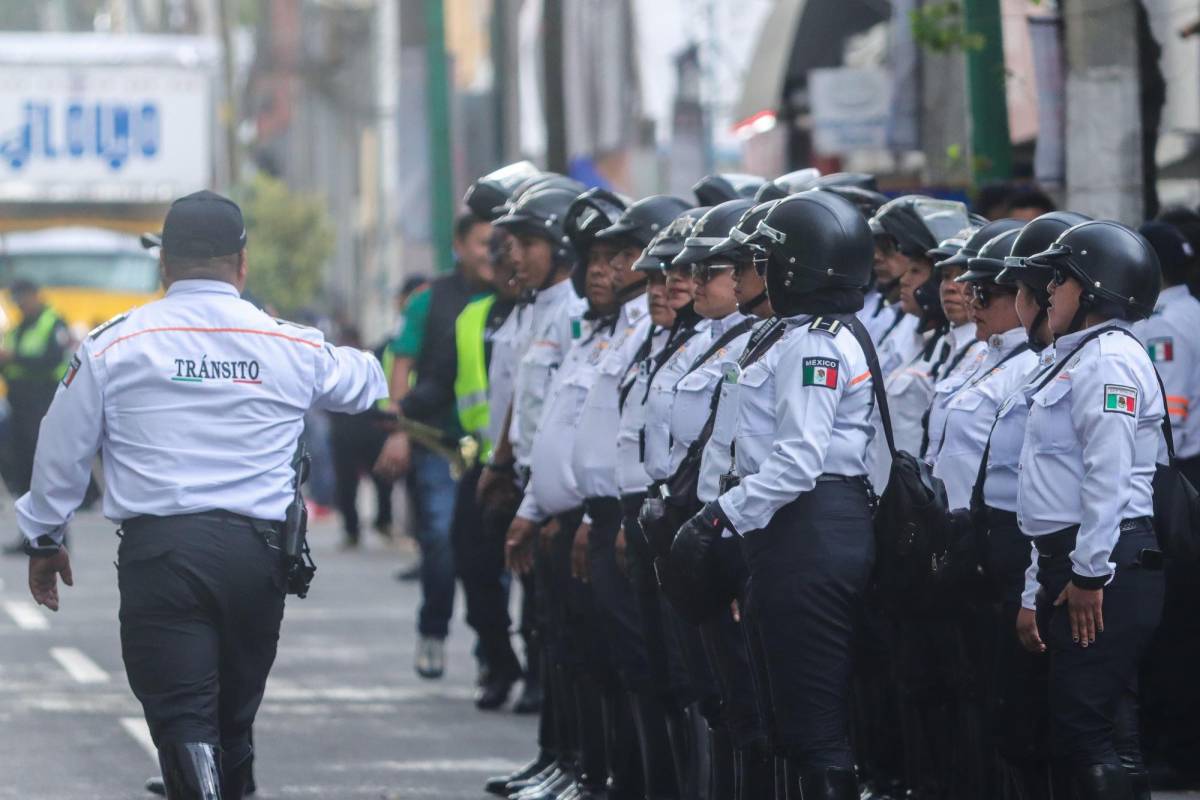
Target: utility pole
555,98
991,148
229,112
1104,126
437,97
378,288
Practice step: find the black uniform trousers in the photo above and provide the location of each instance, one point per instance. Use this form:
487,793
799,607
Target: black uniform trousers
1092,689
357,440
202,600
808,570
616,605
29,401
478,544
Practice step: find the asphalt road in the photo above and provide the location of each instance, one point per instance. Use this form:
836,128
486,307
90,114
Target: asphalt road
345,716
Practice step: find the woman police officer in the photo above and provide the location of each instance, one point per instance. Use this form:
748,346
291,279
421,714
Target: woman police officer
803,507
1084,497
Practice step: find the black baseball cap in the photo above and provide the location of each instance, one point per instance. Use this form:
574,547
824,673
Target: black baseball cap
200,225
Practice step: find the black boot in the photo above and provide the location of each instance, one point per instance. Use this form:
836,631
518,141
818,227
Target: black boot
1102,782
498,785
156,786
621,744
530,700
658,770
755,772
688,735
830,783
236,779
191,771
722,772
593,758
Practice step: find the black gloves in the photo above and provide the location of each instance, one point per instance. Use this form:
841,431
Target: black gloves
695,539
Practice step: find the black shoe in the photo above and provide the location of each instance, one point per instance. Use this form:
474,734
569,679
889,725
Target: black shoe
497,785
494,693
191,771
383,527
831,783
410,573
156,786
1102,782
530,699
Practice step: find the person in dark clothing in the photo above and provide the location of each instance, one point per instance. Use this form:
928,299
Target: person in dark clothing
32,361
425,348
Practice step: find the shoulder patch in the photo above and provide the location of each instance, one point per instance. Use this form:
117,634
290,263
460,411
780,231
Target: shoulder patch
99,329
821,372
72,370
826,325
1161,349
1120,399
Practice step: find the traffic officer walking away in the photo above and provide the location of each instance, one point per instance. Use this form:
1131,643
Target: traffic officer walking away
1084,497
803,511
197,402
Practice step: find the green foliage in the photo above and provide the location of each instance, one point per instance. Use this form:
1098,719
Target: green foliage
290,237
941,26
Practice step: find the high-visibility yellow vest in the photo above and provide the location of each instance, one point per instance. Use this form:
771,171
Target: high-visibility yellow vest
471,379
389,363
32,343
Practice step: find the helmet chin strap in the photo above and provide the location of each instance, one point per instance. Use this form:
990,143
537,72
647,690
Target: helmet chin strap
627,293
748,307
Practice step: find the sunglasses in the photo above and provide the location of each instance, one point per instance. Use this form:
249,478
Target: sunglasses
703,273
984,293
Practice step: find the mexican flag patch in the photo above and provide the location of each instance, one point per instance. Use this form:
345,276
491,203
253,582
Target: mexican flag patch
1162,349
820,372
1120,399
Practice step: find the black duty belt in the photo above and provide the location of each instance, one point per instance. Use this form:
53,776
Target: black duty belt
269,528
999,518
1061,543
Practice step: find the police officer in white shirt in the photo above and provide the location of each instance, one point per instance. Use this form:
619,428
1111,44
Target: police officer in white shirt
803,509
200,571
1084,496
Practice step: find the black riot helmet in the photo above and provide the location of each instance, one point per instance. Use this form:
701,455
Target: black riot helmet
711,230
743,245
590,213
867,201
790,183
669,242
819,254
1117,267
712,190
856,180
1034,238
486,196
642,220
543,212
948,249
915,224
989,261
978,238
544,180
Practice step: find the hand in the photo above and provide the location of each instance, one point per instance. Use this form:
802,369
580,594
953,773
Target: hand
395,458
619,552
735,610
518,545
1085,608
550,530
692,543
1027,631
43,577
579,553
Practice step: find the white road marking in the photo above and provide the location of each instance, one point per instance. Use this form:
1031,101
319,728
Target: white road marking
140,733
81,668
27,615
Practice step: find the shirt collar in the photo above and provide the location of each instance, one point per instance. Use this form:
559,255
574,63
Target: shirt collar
719,326
202,286
1065,344
555,293
963,335
633,311
1003,342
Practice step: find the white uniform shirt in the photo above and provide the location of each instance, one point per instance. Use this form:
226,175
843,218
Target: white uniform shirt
1171,340
877,315
694,391
717,459
909,390
196,402
804,409
1007,438
594,459
972,410
1090,447
502,369
960,366
631,471
900,343
552,316
659,465
552,486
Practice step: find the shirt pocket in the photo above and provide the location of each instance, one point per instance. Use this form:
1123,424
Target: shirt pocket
1050,426
538,368
693,399
963,406
756,404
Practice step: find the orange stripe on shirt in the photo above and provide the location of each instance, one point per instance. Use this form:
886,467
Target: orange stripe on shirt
1177,400
252,331
860,378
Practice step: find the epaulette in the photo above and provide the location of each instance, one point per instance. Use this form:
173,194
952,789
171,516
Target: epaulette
102,327
290,324
826,325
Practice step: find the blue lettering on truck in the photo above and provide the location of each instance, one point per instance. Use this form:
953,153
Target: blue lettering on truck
111,132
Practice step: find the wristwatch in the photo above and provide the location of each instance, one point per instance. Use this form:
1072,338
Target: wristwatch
42,547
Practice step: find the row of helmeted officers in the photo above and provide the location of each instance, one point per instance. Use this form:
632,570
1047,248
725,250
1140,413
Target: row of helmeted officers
697,415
